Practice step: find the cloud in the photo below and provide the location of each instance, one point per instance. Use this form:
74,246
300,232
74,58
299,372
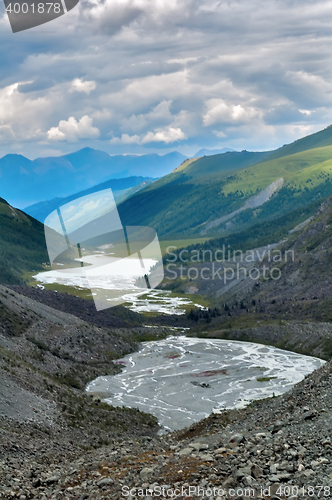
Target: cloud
72,130
167,136
220,112
155,74
219,133
78,85
110,16
126,139
159,115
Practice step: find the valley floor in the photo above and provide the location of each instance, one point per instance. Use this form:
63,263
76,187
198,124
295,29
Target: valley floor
276,447
58,443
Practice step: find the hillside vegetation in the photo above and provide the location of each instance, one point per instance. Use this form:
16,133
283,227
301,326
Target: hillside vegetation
294,311
196,197
22,244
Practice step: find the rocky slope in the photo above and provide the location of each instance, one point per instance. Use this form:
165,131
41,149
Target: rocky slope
46,358
275,448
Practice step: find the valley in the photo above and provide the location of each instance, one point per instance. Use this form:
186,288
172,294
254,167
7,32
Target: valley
60,441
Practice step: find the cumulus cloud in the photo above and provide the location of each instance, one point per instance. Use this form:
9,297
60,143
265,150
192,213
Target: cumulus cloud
126,139
220,112
110,16
167,136
160,74
78,85
72,130
160,115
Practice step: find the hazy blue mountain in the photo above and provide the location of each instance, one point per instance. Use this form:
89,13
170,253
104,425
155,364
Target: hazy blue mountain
25,182
210,152
122,188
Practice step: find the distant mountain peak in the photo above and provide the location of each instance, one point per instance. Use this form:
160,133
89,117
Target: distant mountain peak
211,152
25,182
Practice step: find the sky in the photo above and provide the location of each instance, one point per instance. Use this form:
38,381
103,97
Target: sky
143,76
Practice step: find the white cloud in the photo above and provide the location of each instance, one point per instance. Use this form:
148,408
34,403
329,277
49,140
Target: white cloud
219,133
78,85
156,71
72,130
220,112
126,139
167,136
305,112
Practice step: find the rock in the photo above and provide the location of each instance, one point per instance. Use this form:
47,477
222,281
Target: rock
146,473
283,476
229,483
248,481
199,446
220,451
206,458
52,479
105,482
307,473
235,440
278,425
185,451
302,452
239,473
256,471
261,435
309,415
320,461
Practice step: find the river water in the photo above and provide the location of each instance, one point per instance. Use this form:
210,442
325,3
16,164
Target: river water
181,380
121,283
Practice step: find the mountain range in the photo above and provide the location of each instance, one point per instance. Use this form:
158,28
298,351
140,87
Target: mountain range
210,152
244,199
25,182
121,189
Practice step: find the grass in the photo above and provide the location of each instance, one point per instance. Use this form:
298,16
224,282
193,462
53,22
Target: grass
295,169
83,293
180,204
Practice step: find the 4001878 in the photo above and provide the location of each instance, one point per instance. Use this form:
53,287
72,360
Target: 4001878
32,8
308,491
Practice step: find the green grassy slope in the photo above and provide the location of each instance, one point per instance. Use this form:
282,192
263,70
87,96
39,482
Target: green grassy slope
183,203
215,166
298,171
319,139
178,203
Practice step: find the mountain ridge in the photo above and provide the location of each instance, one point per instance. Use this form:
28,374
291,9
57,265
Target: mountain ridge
25,182
121,188
207,189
